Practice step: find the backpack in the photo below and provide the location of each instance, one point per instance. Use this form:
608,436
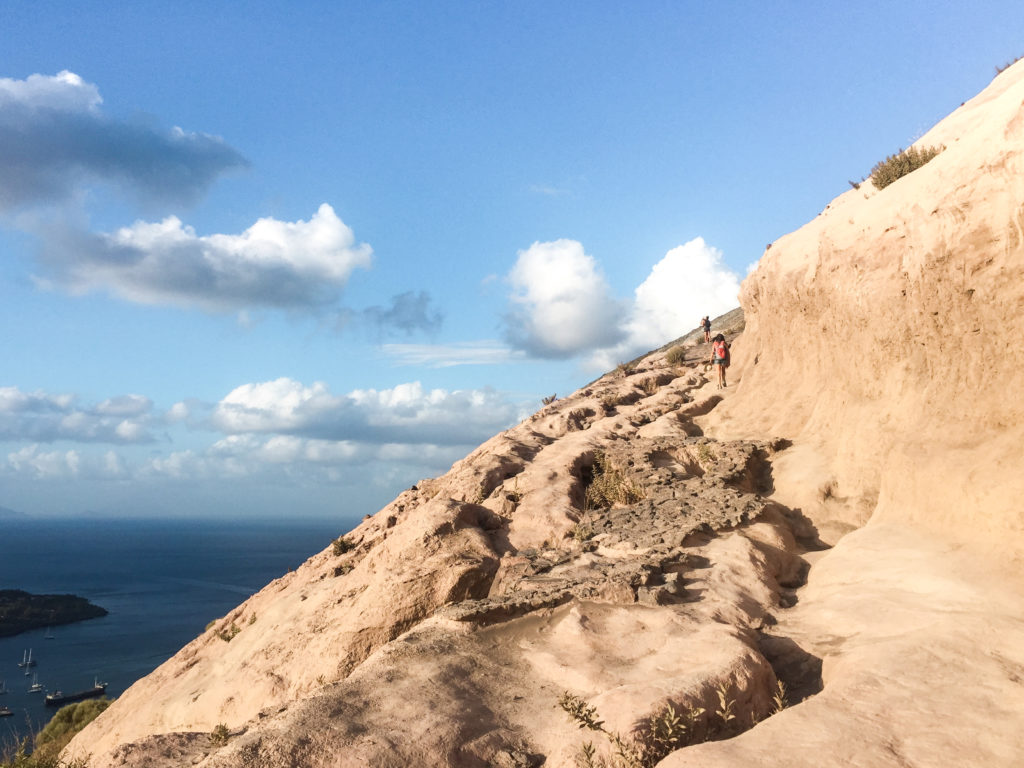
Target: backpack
722,352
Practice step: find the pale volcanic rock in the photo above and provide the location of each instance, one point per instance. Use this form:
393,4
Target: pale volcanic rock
885,335
876,404
466,607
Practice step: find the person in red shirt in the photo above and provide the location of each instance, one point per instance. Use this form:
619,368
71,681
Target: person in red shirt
720,358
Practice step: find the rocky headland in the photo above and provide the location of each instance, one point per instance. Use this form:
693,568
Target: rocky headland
656,555
21,611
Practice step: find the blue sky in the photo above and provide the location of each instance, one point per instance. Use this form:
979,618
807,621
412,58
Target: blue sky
287,259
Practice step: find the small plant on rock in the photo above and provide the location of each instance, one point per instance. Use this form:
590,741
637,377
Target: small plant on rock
341,545
549,399
899,165
610,486
1006,66
676,356
705,455
649,385
779,699
229,633
664,733
219,735
583,531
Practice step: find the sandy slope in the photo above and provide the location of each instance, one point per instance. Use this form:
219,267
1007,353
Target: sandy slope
883,343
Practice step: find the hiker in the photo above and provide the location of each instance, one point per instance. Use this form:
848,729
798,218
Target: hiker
720,358
706,325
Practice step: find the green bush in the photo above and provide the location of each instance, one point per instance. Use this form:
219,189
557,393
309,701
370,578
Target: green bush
903,162
54,737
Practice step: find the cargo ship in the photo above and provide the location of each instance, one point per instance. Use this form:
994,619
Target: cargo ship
57,698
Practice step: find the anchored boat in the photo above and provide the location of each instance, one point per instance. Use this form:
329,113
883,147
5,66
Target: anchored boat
58,698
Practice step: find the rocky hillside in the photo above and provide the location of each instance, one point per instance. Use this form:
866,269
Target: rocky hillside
654,554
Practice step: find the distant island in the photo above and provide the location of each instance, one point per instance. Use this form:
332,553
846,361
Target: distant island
21,611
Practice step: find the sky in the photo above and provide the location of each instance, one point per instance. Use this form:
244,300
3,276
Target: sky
269,260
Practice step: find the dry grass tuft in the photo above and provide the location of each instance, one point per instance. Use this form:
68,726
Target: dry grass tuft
676,356
610,486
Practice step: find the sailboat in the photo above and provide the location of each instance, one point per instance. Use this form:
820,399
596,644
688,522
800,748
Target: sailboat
36,686
3,687
27,660
49,634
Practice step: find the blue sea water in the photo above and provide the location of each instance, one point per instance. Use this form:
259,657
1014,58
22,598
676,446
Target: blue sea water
162,582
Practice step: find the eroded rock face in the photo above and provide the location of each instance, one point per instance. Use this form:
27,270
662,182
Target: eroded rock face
603,547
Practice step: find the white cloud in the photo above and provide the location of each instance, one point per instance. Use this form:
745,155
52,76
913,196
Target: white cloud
407,413
44,464
271,264
486,352
178,412
562,306
561,303
64,91
689,282
41,417
55,138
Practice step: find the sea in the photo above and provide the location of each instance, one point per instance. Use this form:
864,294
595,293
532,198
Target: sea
162,582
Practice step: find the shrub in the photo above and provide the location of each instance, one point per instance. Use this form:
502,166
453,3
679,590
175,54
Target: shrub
341,545
903,162
229,633
676,356
219,736
549,399
55,736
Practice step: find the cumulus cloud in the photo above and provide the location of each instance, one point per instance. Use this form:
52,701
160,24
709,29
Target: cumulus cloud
44,418
561,304
273,263
406,414
689,282
45,464
55,137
